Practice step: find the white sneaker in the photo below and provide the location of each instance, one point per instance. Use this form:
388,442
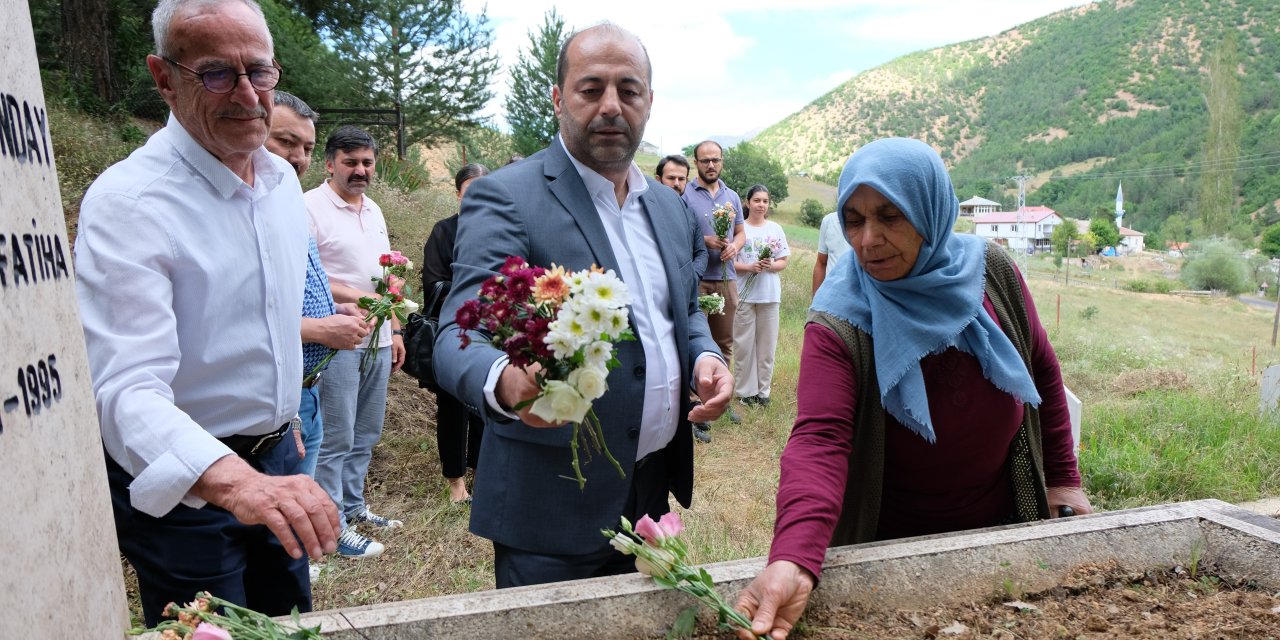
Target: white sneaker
354,545
376,520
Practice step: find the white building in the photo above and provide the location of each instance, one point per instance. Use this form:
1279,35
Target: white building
976,206
1130,241
1028,228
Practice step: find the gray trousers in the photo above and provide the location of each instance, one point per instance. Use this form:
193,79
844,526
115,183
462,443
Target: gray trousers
354,405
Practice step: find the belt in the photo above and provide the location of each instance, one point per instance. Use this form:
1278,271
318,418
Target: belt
652,455
252,447
312,381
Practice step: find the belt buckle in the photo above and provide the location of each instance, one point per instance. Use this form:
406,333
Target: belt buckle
265,443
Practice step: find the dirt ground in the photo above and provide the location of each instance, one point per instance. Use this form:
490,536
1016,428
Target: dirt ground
1094,601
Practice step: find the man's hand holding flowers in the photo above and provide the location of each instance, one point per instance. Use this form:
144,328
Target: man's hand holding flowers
558,330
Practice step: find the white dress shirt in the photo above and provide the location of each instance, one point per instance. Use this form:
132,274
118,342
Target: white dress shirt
631,239
190,288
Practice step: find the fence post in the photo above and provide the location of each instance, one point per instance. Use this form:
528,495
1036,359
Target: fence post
399,131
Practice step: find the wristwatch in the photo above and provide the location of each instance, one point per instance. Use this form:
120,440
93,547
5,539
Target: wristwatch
397,332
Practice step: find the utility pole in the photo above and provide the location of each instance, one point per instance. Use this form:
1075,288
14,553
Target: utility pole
1022,203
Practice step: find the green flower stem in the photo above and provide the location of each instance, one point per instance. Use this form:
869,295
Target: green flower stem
604,446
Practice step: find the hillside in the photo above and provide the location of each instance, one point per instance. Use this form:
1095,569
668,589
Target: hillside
1077,100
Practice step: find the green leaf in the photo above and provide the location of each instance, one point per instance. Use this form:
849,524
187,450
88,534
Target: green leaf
685,624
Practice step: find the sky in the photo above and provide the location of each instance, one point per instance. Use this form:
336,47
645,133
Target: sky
730,67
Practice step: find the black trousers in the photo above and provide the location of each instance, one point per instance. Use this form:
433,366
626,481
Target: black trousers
458,434
649,496
189,550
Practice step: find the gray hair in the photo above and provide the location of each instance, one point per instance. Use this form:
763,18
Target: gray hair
286,99
163,15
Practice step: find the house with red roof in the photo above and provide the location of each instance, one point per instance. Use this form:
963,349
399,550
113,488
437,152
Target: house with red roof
1025,230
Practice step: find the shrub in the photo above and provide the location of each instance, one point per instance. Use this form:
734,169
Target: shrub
407,175
811,212
1217,265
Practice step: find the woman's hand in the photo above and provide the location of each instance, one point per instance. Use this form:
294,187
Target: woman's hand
775,600
1073,497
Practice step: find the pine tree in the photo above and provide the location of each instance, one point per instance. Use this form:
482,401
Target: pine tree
529,110
431,57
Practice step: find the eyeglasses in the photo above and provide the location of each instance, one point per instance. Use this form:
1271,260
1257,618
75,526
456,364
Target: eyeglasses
224,80
710,161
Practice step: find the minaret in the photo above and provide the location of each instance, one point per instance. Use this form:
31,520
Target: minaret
1119,204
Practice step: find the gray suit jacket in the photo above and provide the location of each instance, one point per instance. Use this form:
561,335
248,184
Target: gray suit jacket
540,210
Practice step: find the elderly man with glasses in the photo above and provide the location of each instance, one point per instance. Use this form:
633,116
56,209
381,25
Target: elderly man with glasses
190,264
703,195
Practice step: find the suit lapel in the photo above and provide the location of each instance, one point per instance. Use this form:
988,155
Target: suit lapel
566,185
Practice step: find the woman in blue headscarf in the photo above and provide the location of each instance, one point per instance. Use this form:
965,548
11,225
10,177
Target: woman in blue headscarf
929,399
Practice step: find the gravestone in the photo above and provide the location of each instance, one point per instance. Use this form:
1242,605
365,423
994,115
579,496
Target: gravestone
60,568
1074,409
1270,397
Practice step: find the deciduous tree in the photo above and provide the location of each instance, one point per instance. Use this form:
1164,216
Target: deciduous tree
746,164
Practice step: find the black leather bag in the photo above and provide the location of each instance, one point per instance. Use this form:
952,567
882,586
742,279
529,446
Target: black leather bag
420,336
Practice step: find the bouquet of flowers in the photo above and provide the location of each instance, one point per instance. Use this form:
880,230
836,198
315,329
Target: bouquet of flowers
663,556
199,620
722,218
565,321
393,291
762,249
711,304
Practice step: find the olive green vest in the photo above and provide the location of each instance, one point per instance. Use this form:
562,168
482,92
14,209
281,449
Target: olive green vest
860,516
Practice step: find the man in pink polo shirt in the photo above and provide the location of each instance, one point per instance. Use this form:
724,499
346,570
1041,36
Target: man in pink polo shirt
351,234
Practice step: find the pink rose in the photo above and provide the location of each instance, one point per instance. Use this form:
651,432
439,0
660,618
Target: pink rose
669,526
206,631
398,259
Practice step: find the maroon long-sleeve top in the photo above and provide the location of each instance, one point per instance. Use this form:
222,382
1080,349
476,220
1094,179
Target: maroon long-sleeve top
959,482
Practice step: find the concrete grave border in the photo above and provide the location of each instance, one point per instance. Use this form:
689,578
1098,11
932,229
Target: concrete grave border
918,571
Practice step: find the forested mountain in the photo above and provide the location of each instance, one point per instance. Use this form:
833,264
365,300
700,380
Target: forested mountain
1079,100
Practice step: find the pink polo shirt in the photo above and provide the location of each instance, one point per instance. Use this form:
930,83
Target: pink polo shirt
350,239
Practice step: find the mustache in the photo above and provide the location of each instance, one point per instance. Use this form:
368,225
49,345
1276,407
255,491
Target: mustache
243,113
602,123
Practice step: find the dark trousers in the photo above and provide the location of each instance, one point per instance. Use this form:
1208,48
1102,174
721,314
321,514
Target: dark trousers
458,433
189,550
649,490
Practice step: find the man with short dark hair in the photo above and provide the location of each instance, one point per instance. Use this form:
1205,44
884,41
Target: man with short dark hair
189,265
673,171
581,202
704,195
352,235
325,325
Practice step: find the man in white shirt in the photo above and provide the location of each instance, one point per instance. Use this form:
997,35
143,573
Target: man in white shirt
583,201
832,244
190,261
352,235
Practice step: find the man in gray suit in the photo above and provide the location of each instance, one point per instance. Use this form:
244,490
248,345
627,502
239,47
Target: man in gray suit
580,202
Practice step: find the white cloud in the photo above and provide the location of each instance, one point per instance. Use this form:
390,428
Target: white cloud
694,48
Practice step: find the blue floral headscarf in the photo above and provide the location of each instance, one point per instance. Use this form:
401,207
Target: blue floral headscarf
938,304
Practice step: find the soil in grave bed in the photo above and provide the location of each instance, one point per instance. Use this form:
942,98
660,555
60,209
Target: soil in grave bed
1093,602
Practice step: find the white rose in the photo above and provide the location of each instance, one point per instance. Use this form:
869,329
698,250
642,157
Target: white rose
560,402
589,381
410,306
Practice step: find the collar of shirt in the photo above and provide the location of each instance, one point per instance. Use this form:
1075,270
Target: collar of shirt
267,175
339,203
601,188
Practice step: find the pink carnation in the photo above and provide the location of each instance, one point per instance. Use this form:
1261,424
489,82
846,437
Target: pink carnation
669,526
206,631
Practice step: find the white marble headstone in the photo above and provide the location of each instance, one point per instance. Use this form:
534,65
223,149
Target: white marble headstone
60,567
